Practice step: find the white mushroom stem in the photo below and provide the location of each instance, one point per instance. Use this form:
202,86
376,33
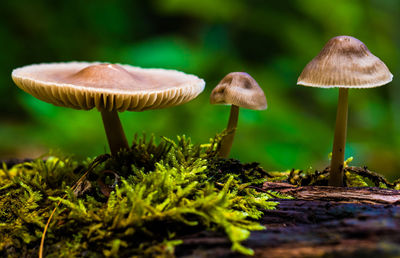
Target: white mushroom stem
339,141
114,131
227,141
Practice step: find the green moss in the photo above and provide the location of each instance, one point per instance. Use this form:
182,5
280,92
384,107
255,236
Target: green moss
353,177
138,203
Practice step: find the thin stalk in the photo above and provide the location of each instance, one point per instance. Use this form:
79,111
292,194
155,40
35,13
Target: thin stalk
114,131
339,141
227,141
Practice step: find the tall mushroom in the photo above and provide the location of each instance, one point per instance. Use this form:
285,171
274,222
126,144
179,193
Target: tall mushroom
344,63
111,88
237,89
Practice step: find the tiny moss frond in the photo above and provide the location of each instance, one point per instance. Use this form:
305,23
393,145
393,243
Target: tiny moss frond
156,193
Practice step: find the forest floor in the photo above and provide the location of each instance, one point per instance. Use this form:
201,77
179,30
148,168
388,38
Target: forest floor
179,199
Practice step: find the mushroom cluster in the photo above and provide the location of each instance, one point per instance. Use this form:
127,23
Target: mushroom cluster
344,63
111,88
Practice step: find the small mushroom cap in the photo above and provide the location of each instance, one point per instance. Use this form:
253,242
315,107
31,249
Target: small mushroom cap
239,89
345,62
111,87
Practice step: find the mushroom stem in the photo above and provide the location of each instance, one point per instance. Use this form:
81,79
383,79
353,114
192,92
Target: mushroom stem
114,131
227,141
339,141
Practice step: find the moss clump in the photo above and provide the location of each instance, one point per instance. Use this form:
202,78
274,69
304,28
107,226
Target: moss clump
353,177
138,203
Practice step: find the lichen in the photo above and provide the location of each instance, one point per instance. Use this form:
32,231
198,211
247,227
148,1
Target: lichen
141,202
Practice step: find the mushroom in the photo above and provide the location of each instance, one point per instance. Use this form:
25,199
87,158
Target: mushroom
344,63
237,89
111,88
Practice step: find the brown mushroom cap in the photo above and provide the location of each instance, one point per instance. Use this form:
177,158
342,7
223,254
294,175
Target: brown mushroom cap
239,89
111,87
345,62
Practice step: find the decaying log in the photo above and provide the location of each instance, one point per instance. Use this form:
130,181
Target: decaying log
370,195
320,221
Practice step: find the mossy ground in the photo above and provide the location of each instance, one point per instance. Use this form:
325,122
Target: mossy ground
141,202
138,203
353,177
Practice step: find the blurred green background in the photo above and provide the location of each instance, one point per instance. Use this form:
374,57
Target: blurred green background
271,40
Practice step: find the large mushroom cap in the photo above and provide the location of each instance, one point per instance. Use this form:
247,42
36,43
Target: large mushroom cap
345,62
111,87
239,89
